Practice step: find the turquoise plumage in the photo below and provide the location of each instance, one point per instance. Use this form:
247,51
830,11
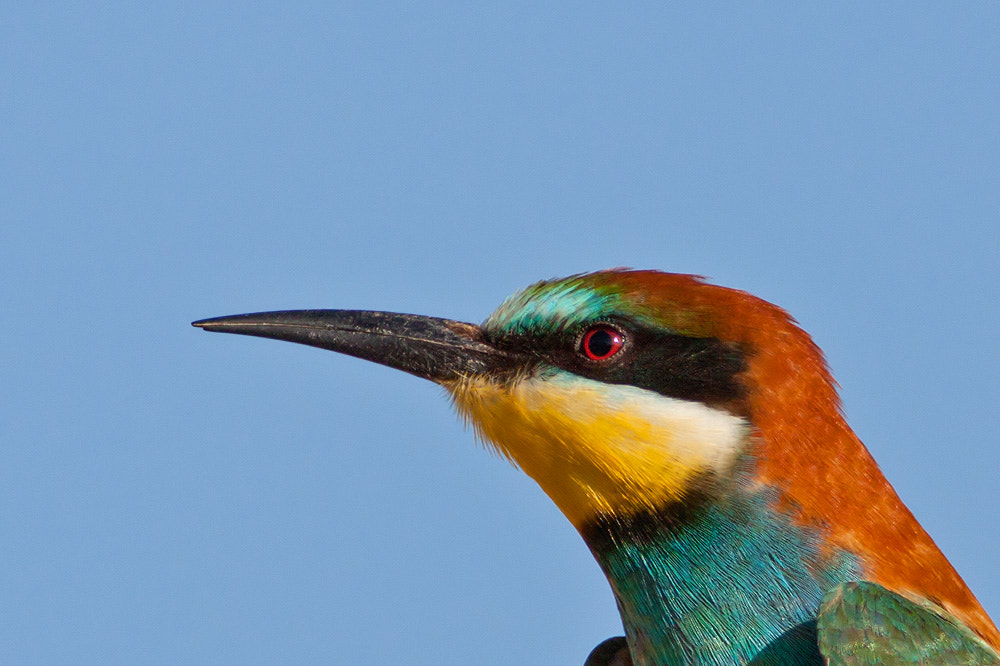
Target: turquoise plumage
729,582
858,624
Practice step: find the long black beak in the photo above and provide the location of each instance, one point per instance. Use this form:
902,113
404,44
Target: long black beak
437,349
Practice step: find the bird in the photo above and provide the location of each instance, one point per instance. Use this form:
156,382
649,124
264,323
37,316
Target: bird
694,437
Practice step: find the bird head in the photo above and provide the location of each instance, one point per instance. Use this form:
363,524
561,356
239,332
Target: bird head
618,391
633,397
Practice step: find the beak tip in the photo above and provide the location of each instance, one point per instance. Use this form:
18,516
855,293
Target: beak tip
212,324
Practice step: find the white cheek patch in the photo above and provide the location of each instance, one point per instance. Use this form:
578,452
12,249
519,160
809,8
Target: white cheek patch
691,431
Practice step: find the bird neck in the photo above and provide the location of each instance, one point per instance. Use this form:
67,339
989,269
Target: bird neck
722,580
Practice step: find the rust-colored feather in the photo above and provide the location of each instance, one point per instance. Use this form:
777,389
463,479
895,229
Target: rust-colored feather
805,448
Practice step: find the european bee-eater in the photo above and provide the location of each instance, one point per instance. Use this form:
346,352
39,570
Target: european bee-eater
694,437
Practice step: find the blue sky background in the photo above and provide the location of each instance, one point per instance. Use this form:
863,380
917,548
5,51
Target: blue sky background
168,496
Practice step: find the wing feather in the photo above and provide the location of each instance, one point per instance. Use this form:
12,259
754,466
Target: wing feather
863,624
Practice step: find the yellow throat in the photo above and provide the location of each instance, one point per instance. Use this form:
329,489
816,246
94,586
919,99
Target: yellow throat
597,448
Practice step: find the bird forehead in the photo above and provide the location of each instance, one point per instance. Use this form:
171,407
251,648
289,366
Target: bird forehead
550,306
665,301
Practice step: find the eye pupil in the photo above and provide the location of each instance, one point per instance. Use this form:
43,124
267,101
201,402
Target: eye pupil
602,342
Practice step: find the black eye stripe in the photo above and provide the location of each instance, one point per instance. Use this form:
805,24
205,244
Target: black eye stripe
697,369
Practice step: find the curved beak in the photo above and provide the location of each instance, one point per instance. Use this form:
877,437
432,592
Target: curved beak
437,349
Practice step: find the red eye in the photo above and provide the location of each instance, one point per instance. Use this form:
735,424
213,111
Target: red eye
601,342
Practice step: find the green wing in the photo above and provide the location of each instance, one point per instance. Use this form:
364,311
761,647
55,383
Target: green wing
864,623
